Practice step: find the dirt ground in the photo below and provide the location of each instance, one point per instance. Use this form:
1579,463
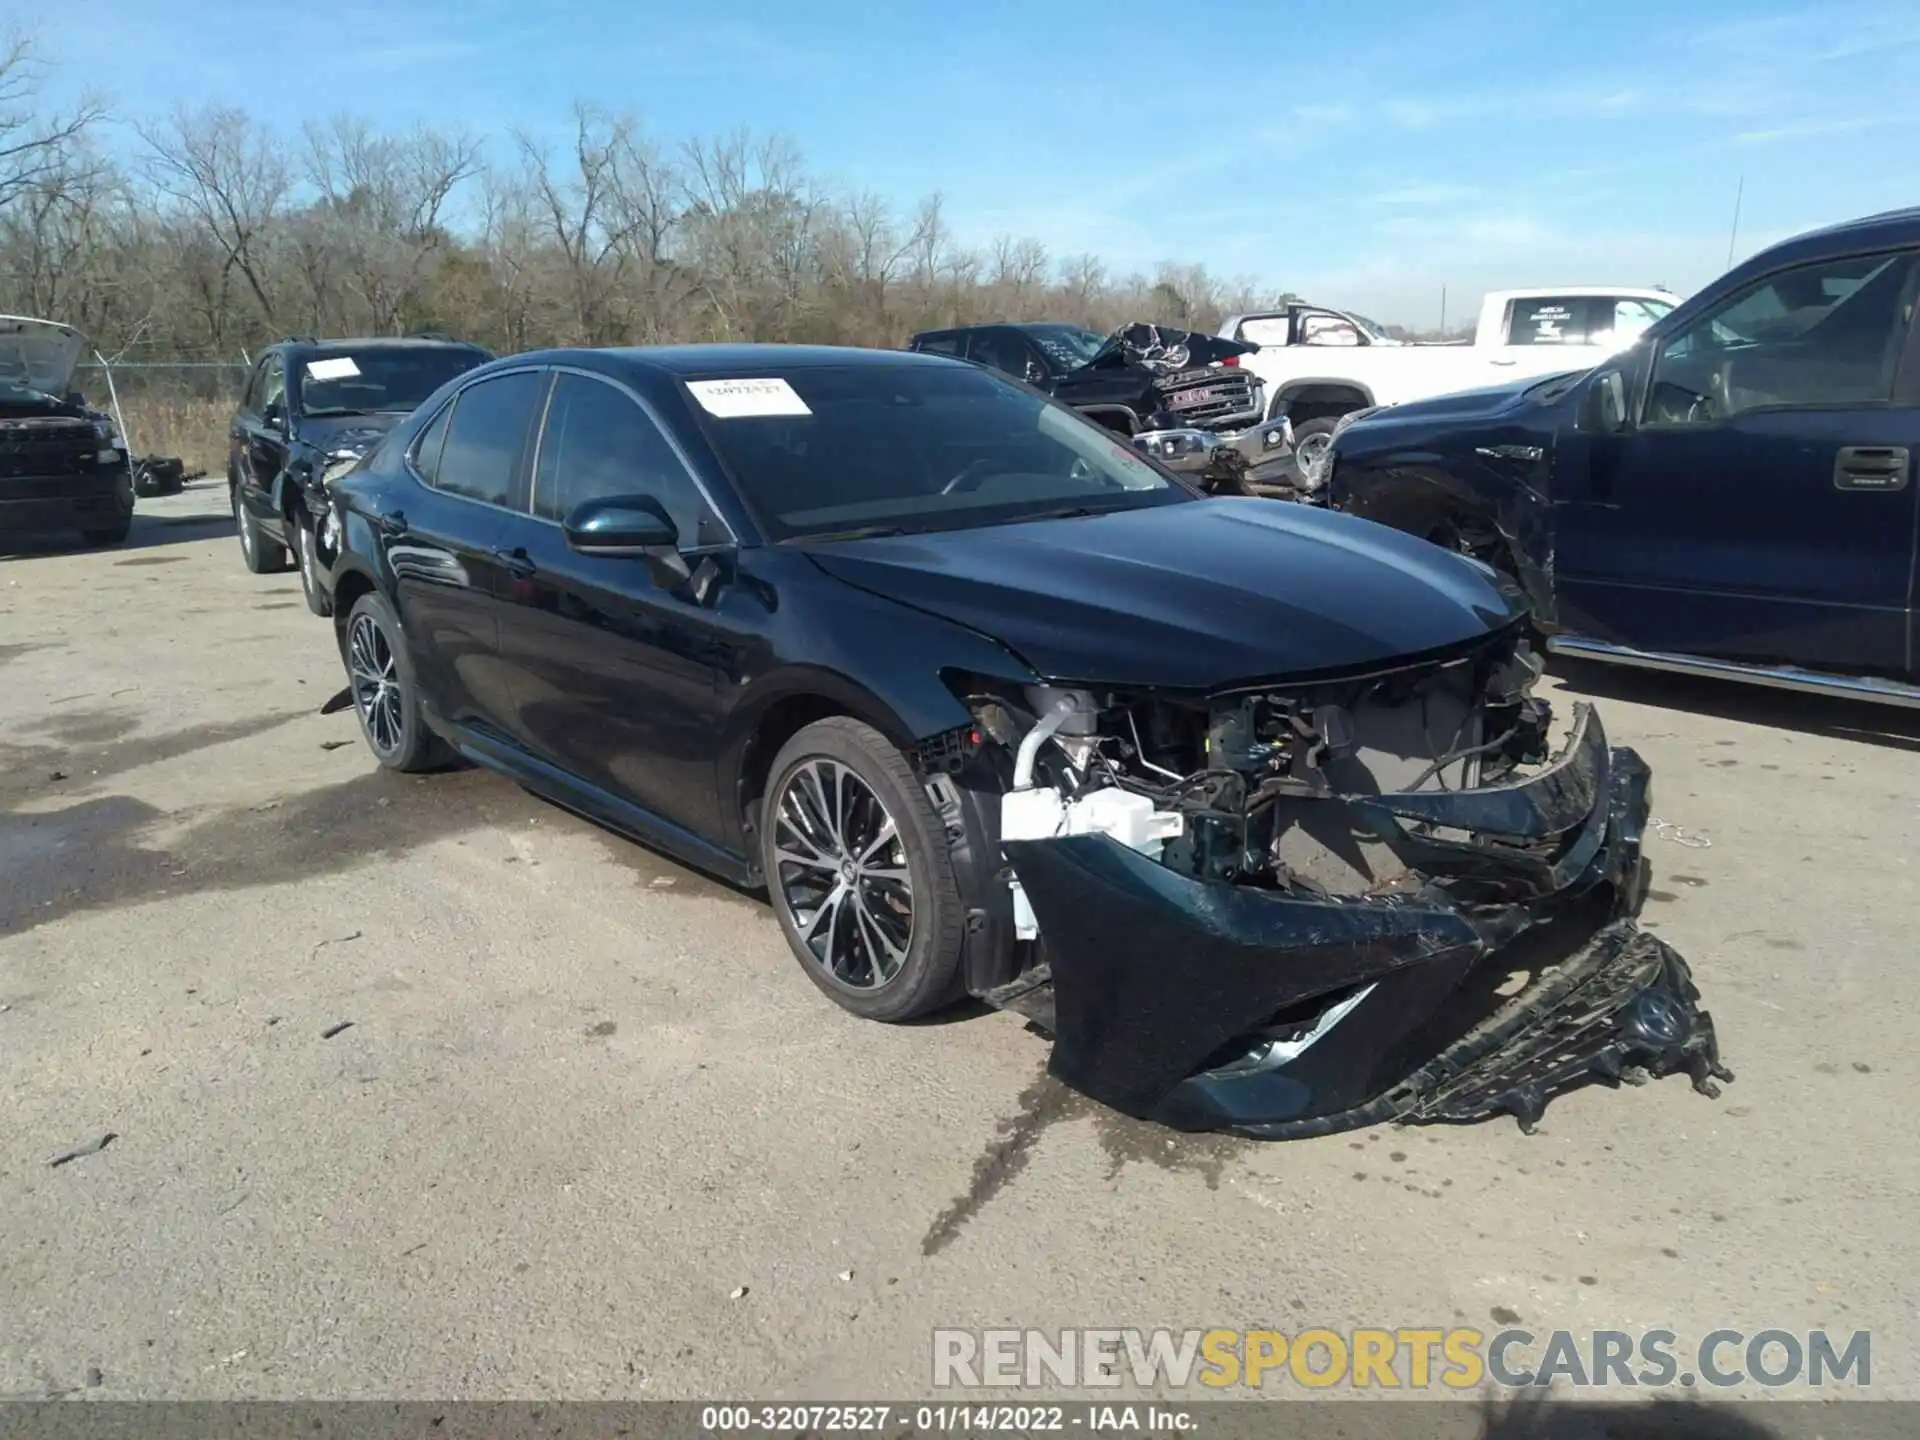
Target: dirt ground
589,1132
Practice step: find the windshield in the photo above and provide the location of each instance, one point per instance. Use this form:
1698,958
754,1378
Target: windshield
359,383
908,447
1068,346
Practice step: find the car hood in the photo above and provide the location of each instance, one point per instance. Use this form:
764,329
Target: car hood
39,354
1465,404
356,434
1191,596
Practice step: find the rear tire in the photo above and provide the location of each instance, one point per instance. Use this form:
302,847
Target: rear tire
386,698
859,873
318,600
261,554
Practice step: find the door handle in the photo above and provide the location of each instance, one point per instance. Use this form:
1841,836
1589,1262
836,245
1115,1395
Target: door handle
518,563
1870,467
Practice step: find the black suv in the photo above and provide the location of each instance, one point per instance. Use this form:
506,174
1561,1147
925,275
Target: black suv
1733,496
315,406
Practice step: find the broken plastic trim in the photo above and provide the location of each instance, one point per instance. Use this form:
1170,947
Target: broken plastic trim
1152,973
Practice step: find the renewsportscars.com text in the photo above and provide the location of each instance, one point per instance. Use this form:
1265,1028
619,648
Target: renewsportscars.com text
1455,1358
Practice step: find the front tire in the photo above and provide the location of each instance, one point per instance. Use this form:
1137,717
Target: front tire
262,554
318,600
386,699
859,874
1311,442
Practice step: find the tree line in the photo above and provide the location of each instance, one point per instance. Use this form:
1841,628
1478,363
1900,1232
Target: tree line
205,233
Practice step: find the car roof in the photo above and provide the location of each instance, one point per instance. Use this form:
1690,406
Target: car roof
376,342
1887,230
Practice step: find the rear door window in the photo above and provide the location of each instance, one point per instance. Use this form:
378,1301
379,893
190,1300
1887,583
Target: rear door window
486,438
1002,350
1549,320
426,450
946,343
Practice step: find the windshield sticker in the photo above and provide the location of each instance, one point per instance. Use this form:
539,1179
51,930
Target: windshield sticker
740,399
339,367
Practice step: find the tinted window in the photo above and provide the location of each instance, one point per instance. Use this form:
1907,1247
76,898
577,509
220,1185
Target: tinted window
273,384
947,343
1002,349
919,447
1582,319
256,388
486,437
598,443
426,450
1829,333
1067,346
1548,320
348,382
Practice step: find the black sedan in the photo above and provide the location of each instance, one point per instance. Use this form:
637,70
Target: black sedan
1241,800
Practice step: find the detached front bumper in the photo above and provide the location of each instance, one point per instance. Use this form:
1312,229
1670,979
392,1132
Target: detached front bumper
1163,992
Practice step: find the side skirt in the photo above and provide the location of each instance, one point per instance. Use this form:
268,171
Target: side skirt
1779,677
592,803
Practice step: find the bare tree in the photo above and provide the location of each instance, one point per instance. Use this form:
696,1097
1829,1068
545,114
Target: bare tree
232,179
380,210
34,147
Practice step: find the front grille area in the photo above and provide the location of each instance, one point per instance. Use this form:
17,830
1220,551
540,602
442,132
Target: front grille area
46,447
1210,397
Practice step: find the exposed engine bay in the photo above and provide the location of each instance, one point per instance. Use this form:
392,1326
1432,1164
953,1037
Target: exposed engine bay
1237,885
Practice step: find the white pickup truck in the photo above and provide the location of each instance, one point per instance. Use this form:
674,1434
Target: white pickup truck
1318,364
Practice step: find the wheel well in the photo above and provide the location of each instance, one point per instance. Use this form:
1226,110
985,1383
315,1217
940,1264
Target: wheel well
1306,403
346,594
1120,421
783,719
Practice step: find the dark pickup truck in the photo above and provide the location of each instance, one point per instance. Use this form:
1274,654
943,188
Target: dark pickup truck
1180,395
1732,496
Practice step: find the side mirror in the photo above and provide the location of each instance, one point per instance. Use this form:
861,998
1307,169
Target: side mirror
630,526
1035,372
1604,410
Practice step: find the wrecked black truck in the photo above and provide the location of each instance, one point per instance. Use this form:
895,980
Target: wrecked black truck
1181,396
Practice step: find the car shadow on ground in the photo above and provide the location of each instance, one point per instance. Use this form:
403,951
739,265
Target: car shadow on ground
1892,726
148,532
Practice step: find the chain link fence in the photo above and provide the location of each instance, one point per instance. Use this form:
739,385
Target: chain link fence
177,408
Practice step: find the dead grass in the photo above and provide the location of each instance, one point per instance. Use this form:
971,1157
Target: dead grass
195,430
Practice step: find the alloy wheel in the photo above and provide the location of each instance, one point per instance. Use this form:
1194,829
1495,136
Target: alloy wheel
375,674
243,522
310,567
1310,456
842,874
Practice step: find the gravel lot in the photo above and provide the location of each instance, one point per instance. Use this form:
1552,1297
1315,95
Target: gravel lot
591,1133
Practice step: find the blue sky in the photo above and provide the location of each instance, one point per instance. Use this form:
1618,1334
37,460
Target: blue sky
1364,156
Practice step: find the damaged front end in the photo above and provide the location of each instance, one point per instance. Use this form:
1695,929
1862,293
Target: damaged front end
1290,909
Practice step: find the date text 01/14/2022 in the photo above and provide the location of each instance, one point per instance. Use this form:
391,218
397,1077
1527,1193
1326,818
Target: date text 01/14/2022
944,1419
